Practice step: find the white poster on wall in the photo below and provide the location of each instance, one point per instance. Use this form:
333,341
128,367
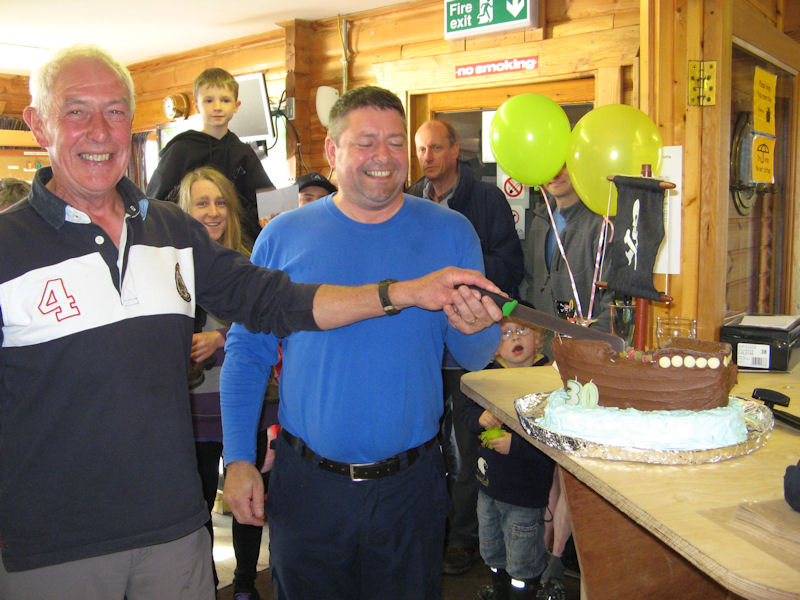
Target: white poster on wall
668,258
487,155
518,196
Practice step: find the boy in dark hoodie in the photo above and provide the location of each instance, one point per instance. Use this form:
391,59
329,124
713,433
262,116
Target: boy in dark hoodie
514,480
216,98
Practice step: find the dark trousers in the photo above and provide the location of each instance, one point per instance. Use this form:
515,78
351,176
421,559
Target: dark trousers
246,538
338,539
460,448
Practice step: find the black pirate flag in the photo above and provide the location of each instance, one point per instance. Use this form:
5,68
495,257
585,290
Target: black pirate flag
638,231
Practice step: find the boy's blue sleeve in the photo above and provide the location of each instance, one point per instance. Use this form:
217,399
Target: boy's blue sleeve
249,357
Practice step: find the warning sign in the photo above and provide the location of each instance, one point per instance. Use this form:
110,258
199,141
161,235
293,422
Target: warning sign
763,152
764,87
513,188
519,219
518,196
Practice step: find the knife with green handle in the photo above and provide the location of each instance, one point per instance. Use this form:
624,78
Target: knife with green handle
512,308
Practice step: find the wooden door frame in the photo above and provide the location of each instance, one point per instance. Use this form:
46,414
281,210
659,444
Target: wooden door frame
752,34
422,107
605,56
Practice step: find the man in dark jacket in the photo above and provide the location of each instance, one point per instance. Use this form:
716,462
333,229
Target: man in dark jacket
451,182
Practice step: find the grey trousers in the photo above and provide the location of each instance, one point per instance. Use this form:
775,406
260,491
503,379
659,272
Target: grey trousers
178,570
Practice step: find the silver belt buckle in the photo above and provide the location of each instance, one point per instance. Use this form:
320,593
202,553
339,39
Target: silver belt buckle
352,471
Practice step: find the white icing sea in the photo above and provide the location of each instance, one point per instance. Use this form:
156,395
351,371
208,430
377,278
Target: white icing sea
655,430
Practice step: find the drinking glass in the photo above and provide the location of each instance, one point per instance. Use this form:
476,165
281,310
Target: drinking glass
623,318
668,328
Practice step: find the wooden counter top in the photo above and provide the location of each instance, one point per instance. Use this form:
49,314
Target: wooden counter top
689,508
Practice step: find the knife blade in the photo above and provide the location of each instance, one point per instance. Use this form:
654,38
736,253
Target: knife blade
512,308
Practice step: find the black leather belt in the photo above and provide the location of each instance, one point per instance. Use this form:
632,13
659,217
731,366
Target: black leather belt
362,471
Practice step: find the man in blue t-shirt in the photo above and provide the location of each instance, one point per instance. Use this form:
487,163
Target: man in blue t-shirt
357,500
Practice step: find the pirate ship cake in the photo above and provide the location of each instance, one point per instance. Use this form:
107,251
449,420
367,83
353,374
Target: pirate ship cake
675,397
685,374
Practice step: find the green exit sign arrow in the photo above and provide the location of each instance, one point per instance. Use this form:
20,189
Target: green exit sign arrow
463,18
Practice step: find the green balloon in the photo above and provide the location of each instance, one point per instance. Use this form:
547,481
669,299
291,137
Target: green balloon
529,137
615,139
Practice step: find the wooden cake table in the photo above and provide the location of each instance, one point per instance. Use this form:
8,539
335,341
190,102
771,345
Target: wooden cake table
663,531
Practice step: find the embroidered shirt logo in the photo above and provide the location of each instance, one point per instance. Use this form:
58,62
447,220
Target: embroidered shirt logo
57,301
183,291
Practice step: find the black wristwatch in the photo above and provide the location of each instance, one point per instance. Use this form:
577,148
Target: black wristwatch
383,296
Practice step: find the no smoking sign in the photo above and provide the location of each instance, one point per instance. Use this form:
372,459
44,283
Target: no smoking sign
513,188
518,197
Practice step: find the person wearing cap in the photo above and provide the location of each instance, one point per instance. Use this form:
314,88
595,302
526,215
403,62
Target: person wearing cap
312,186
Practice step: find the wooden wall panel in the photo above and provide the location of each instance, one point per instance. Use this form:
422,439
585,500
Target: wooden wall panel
638,52
791,19
14,95
158,78
769,8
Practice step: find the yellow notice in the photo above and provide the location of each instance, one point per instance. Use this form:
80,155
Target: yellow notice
763,159
764,86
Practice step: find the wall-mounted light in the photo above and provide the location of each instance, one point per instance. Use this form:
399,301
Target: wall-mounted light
326,98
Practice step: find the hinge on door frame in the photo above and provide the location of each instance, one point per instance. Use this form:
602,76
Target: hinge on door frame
702,82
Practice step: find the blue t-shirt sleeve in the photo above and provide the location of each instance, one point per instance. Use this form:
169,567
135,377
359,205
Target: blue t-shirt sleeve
473,352
249,357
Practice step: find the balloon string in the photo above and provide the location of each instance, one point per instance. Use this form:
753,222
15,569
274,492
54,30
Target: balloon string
563,256
610,223
600,246
600,254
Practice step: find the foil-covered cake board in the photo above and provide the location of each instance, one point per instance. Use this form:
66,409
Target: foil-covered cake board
759,425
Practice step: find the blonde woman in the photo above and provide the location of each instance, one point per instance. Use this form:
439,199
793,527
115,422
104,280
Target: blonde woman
211,198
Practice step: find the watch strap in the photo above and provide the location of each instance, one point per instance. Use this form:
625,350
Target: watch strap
383,296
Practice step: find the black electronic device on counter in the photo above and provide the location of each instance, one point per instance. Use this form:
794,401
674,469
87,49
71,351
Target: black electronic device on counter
764,342
770,398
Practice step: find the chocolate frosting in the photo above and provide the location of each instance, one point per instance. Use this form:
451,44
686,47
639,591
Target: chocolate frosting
660,381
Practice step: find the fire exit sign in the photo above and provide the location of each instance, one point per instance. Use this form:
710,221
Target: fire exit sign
463,18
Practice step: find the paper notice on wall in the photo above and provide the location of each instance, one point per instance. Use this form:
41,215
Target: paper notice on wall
487,155
518,197
764,88
668,258
274,202
763,159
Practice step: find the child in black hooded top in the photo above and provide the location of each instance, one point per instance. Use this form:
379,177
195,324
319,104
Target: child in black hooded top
515,480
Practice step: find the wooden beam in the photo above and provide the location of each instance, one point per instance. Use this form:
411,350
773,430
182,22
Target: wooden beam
17,139
608,86
572,56
714,171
